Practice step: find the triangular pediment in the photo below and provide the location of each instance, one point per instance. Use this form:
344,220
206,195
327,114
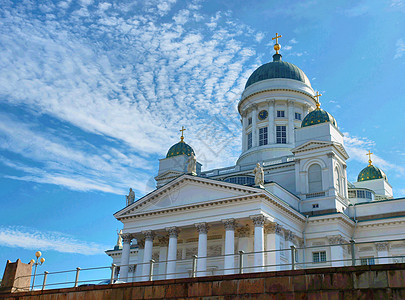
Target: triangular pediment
311,145
184,191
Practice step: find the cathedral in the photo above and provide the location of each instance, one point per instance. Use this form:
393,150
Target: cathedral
288,193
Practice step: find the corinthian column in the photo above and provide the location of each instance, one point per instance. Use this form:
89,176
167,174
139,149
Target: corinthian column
258,221
147,254
126,239
172,252
229,260
202,229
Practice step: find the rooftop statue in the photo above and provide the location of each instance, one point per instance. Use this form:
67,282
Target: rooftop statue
131,197
259,175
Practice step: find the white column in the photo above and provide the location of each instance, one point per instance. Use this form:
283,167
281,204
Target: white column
147,254
202,229
273,260
229,259
336,251
138,271
126,239
163,240
291,117
271,130
258,221
289,241
255,140
382,251
172,252
244,137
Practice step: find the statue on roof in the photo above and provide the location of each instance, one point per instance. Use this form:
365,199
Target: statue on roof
259,175
119,240
192,165
131,197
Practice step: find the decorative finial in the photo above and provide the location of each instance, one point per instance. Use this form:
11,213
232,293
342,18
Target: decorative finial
318,105
369,158
277,46
182,133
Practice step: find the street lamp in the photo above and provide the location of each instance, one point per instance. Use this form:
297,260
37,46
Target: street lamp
36,263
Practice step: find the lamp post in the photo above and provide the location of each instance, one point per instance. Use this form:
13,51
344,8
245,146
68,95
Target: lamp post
36,263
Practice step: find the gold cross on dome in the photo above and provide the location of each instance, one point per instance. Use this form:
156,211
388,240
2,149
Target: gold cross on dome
182,133
369,157
317,99
277,37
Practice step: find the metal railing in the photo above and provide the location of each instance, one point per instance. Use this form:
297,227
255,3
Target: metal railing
291,258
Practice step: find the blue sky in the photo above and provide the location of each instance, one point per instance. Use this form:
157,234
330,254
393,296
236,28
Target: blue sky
93,93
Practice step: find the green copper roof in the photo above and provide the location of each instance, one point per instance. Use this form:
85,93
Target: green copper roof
179,149
277,69
318,116
371,172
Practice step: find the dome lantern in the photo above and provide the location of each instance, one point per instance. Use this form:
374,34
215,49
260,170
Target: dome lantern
181,147
370,172
318,115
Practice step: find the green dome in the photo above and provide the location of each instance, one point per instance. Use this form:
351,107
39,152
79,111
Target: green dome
179,149
371,172
318,116
277,69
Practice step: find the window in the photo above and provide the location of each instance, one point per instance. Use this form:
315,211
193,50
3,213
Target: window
263,136
367,261
281,134
249,121
318,257
364,194
244,180
280,114
338,179
352,194
315,178
249,140
316,205
297,116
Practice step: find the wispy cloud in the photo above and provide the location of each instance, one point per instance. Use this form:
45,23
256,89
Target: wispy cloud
400,48
28,238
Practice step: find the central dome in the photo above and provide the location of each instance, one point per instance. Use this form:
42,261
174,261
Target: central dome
277,69
179,149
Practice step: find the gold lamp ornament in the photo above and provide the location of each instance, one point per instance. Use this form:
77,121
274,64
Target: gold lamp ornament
39,262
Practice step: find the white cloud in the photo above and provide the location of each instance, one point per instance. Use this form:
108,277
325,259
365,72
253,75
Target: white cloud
400,48
259,37
28,238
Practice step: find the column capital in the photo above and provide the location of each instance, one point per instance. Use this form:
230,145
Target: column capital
148,234
273,228
331,155
383,246
336,240
127,238
202,227
258,220
229,224
173,231
289,235
270,102
141,243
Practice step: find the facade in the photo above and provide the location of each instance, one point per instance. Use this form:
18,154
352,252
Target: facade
305,200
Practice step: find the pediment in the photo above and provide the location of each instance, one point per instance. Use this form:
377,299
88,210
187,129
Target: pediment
169,174
183,191
311,145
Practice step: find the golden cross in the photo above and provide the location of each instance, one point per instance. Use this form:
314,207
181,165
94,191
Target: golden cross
182,132
277,37
317,99
369,157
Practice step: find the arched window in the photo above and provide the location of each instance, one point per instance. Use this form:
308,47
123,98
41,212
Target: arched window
315,178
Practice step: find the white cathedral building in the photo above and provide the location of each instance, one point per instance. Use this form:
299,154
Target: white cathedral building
305,199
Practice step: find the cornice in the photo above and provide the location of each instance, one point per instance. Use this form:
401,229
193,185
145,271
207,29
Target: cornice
335,217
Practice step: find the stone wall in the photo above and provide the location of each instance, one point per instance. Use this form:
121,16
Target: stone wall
17,277
363,282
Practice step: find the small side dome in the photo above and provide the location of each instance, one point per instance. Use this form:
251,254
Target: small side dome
318,116
370,173
179,149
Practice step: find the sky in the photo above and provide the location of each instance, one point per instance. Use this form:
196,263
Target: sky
93,93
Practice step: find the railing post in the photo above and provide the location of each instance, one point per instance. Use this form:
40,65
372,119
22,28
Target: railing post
112,273
194,271
44,282
353,249
151,262
292,257
241,252
77,276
